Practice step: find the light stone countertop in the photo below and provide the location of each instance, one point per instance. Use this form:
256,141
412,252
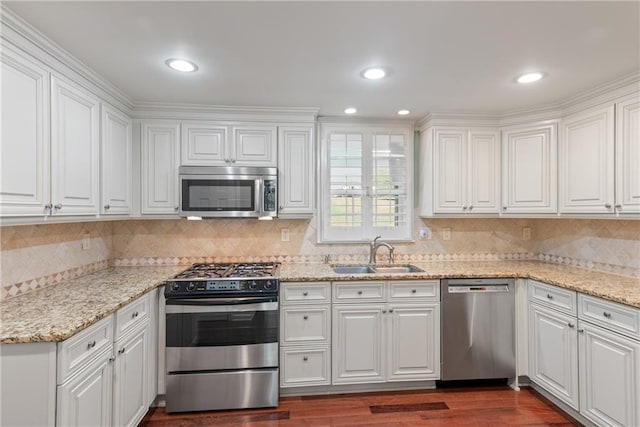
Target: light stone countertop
58,312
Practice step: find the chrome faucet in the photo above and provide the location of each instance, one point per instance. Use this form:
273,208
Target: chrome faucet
374,245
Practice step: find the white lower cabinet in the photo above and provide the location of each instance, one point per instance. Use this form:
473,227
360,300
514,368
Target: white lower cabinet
130,379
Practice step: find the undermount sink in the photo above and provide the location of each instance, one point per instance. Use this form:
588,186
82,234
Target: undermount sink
372,269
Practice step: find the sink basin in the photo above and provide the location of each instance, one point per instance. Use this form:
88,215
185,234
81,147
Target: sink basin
372,269
353,269
389,269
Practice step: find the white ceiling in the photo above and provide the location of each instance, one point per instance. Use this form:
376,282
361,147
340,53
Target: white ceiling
442,56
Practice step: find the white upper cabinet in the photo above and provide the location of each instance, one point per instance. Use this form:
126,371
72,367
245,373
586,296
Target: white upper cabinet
466,172
627,155
160,157
116,161
586,162
529,169
220,144
75,149
25,143
296,171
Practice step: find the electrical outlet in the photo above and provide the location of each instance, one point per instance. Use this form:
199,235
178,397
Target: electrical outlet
425,233
446,233
86,241
526,233
284,235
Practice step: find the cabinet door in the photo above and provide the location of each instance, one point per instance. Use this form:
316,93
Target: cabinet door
116,161
204,144
254,146
130,381
160,167
450,171
529,170
85,400
628,156
414,342
586,162
24,153
75,146
296,172
553,357
483,172
357,350
609,377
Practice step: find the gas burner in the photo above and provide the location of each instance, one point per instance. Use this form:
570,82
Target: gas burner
240,270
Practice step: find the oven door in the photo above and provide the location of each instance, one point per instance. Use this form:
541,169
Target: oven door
209,334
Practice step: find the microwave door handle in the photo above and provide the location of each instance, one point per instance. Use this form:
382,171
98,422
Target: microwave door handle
259,197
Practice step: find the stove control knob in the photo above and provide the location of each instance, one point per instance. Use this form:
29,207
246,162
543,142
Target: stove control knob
191,287
175,287
253,285
268,284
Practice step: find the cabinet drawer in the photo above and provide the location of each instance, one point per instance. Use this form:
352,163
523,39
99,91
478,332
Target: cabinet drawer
299,293
413,290
302,325
80,349
610,315
561,299
358,291
131,315
301,367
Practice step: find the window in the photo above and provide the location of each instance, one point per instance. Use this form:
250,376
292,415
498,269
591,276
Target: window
365,176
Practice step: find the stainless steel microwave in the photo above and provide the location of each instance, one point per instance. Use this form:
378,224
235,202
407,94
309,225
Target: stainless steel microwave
221,191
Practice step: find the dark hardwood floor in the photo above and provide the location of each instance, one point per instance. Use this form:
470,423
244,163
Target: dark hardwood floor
485,406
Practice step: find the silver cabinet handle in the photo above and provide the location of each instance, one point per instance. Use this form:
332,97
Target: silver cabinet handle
607,205
58,206
107,207
121,351
607,315
549,296
91,344
571,325
305,317
305,358
359,292
305,293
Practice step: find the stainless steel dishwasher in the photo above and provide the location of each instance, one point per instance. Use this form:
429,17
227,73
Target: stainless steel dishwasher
478,329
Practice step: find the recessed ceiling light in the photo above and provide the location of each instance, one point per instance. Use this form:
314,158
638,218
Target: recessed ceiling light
181,65
350,110
403,112
530,77
374,73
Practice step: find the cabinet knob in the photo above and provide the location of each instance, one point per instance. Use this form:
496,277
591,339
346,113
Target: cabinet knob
549,296
504,208
305,317
607,315
581,330
121,351
111,359
608,205
359,292
464,208
413,291
233,160
91,344
391,310
305,293
107,207
175,208
470,207
571,325
48,206
384,311
305,358
618,206
58,206
281,207
134,314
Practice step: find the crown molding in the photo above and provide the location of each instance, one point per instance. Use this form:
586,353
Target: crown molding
157,110
23,35
351,120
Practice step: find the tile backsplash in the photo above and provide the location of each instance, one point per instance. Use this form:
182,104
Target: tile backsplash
40,255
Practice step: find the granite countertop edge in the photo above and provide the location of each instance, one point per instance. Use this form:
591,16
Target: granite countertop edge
48,316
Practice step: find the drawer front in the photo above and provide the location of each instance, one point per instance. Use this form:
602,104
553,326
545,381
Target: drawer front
304,325
560,299
80,349
131,315
359,291
414,290
300,293
301,367
610,315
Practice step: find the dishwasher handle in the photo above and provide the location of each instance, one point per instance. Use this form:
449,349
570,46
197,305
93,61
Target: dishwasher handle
473,289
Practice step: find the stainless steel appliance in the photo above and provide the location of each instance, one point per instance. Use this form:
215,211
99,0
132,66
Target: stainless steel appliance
222,337
478,329
219,191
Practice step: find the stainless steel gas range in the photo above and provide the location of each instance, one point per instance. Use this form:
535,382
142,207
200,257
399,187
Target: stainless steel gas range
222,337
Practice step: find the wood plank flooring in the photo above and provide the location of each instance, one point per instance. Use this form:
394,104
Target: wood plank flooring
484,406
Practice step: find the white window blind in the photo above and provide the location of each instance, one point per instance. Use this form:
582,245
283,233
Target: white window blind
366,182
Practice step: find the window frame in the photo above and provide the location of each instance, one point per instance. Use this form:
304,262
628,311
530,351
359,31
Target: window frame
366,231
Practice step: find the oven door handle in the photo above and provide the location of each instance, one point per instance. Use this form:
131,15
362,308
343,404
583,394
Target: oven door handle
218,306
220,301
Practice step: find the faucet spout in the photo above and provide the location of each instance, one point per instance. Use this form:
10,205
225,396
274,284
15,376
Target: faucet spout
375,245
